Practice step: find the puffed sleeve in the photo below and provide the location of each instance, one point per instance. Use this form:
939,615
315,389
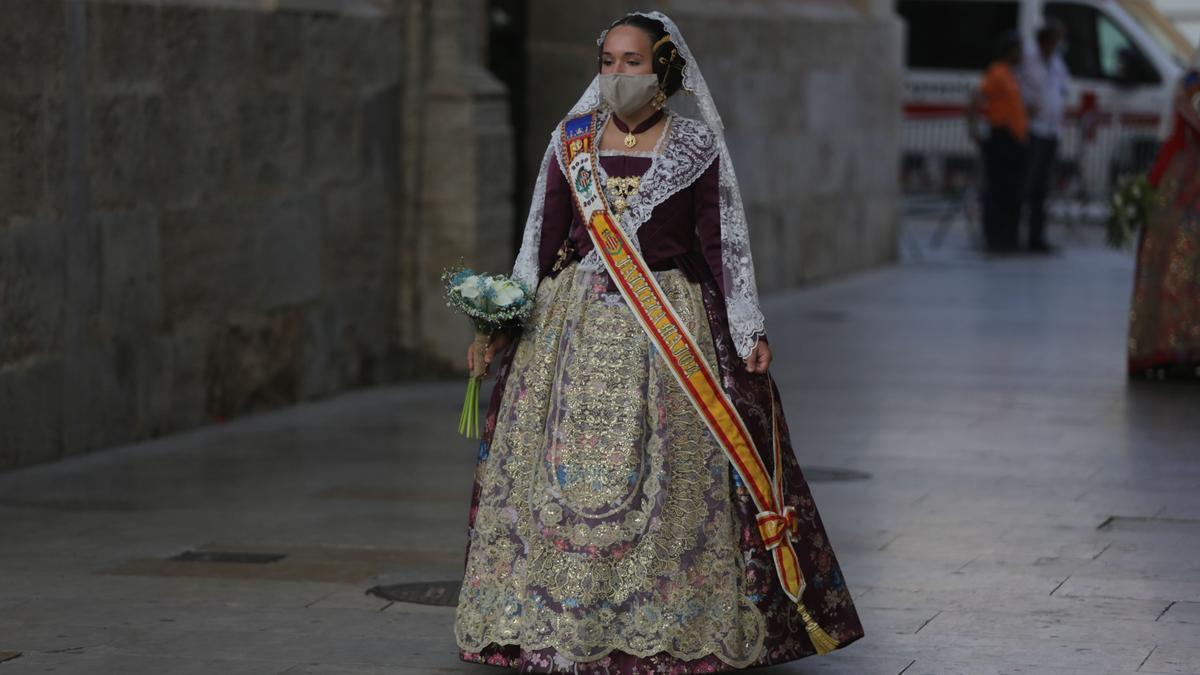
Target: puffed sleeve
707,216
557,212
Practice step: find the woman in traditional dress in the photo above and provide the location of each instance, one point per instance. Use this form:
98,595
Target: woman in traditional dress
618,525
1164,319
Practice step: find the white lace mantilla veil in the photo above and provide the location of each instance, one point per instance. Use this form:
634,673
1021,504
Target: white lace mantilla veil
694,118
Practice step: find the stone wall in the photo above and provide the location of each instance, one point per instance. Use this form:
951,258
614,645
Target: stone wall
210,208
810,95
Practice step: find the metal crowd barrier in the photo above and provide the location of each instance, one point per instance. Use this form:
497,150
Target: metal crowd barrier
941,170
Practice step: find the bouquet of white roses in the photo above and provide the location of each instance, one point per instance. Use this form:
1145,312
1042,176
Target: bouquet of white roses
491,302
1129,209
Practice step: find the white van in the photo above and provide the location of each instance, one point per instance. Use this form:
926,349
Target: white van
1123,55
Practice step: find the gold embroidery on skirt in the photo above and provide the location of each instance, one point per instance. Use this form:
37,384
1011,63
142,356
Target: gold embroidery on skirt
605,513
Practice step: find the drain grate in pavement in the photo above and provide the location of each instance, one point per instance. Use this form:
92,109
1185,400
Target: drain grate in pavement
286,562
825,474
228,557
439,593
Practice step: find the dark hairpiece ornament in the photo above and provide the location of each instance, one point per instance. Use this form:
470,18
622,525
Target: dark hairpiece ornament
669,62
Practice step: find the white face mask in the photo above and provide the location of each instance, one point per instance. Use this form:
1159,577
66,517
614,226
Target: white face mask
627,94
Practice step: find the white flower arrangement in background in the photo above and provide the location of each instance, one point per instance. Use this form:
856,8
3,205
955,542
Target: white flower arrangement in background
1129,209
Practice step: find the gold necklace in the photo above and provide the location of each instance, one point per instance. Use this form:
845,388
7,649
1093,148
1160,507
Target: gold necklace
631,134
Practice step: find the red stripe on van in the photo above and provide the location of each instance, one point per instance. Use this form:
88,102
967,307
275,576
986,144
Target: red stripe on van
952,110
934,109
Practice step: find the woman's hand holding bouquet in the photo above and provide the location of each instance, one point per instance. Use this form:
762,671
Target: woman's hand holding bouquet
495,304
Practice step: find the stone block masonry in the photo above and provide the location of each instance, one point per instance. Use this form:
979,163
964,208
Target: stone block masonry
206,207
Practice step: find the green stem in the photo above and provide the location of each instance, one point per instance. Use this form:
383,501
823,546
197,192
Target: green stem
463,416
467,409
475,412
468,419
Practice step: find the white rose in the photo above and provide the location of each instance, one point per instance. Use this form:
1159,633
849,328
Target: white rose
507,293
470,288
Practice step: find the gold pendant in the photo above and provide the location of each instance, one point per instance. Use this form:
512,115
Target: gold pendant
630,140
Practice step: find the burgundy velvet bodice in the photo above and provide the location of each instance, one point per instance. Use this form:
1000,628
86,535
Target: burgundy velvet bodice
684,232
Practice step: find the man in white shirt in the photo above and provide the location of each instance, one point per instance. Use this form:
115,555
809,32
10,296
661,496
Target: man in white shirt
1044,86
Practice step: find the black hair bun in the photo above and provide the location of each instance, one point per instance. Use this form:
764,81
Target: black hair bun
668,65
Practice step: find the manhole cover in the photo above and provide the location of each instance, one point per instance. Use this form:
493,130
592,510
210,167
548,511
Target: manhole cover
824,474
440,593
228,557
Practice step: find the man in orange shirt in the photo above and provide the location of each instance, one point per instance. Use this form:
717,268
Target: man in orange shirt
1003,146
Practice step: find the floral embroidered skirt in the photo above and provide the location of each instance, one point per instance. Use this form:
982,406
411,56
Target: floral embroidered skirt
1164,318
608,532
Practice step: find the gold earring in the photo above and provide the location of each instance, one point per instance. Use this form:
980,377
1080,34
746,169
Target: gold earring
660,98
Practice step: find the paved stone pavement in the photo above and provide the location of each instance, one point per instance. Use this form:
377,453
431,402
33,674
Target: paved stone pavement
1027,510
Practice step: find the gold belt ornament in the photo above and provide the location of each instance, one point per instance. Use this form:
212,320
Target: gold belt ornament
622,189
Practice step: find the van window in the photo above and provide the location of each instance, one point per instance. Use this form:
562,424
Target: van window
1099,49
936,35
1111,43
1119,57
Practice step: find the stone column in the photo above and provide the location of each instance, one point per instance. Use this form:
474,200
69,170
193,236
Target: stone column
463,188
